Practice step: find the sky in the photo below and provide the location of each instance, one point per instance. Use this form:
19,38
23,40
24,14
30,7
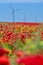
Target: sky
9,1
24,10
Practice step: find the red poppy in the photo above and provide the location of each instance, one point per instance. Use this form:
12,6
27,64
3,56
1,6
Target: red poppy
42,32
42,38
19,53
0,27
22,37
9,33
15,36
4,60
31,60
6,51
38,60
25,61
3,51
4,40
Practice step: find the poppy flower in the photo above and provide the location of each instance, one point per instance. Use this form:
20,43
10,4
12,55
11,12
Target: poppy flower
22,37
4,60
25,60
15,36
31,60
38,60
4,40
0,27
3,51
6,51
9,33
19,53
42,32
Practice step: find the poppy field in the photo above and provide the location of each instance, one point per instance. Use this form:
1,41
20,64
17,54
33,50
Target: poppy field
21,43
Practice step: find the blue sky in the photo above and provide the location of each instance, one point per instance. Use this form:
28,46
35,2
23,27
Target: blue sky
28,1
9,1
31,9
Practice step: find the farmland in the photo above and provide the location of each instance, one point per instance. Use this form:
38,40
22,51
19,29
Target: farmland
19,41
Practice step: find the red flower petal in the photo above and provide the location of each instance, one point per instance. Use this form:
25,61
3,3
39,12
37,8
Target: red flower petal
4,60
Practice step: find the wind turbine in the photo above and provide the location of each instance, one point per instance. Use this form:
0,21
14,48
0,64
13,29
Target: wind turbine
13,13
35,19
25,18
